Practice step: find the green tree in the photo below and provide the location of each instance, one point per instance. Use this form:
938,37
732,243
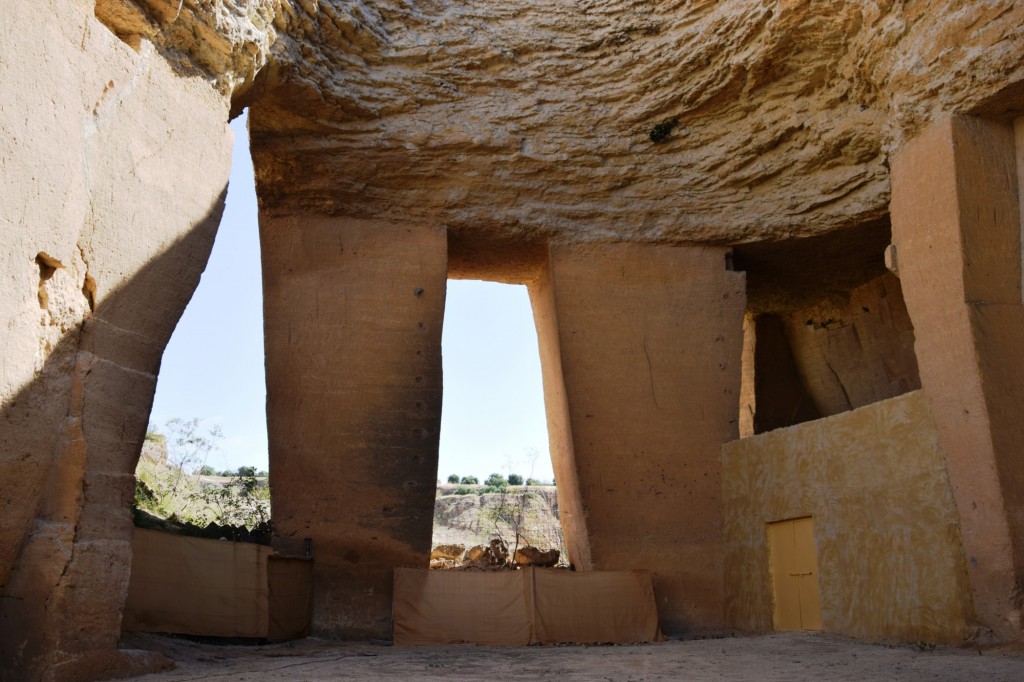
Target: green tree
496,481
207,470
470,480
244,472
187,447
515,479
454,478
533,481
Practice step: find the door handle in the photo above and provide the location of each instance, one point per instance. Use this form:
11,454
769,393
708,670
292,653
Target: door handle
801,575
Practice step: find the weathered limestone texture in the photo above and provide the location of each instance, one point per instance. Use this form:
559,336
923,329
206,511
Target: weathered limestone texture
874,481
773,394
225,41
640,349
606,153
957,237
841,352
857,349
113,169
353,313
534,119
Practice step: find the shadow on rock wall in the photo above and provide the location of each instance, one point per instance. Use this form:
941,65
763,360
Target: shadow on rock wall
69,443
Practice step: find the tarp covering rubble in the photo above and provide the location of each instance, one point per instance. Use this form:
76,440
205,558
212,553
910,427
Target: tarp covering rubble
529,606
195,586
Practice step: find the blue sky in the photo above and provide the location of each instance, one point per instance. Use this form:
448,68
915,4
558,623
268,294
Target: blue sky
493,414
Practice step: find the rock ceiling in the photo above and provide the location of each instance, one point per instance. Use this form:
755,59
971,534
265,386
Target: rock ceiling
771,119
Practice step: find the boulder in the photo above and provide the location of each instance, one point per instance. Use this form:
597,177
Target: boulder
476,554
533,556
449,552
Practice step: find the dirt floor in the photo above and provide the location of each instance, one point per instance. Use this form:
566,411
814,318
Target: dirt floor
784,656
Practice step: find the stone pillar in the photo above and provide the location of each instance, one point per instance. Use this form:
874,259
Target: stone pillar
353,313
113,172
956,231
640,349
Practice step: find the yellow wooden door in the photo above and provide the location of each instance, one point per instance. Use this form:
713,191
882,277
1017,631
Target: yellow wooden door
794,569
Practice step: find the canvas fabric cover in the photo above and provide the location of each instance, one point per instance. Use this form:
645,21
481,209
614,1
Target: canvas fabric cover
529,606
290,582
196,586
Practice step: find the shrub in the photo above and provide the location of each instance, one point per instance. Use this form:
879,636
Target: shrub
533,481
496,481
515,479
470,480
245,501
207,470
454,478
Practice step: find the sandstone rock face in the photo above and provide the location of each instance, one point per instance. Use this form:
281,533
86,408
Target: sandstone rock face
352,318
227,42
838,354
113,169
535,119
506,134
639,348
957,229
555,124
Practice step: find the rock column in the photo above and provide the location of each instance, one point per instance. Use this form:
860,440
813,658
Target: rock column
956,231
640,349
353,314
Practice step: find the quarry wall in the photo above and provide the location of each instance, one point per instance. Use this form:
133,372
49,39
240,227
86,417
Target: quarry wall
656,175
114,170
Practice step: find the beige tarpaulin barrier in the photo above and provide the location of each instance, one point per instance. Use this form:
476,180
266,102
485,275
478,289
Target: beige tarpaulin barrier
196,586
291,597
595,606
441,607
530,606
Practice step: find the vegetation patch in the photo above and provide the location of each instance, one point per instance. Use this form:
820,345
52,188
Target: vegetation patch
176,492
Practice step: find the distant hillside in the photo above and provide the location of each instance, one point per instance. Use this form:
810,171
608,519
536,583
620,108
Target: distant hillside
475,518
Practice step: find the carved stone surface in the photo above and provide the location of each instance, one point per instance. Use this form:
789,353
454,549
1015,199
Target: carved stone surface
113,172
510,131
226,42
535,119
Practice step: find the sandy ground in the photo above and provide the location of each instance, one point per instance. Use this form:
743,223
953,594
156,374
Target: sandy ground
784,656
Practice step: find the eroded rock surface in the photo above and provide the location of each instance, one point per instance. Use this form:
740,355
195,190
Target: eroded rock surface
223,40
534,119
113,172
732,121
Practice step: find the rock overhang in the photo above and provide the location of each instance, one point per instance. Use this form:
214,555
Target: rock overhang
534,121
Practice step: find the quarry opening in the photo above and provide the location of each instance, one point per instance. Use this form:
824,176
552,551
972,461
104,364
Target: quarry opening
205,458
495,480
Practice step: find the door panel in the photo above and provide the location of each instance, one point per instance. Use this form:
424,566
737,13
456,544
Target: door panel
794,570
